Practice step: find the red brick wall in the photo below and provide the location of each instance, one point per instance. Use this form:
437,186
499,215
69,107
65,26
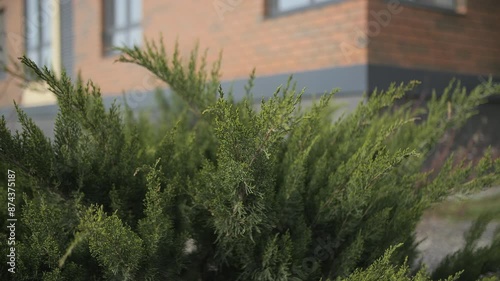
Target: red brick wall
333,35
301,41
13,15
305,40
429,39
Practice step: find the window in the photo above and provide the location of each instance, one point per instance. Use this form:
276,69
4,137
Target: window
43,46
3,45
453,5
122,23
284,6
38,28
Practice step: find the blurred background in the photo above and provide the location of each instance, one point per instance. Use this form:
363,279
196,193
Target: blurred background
354,45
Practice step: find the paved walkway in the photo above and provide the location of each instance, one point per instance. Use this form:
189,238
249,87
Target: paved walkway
445,236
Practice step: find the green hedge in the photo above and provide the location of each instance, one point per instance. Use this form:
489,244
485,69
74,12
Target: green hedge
217,190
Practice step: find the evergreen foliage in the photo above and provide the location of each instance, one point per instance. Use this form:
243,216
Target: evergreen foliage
383,269
218,190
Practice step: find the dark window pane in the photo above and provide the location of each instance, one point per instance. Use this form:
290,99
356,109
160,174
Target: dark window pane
447,4
67,36
109,18
122,23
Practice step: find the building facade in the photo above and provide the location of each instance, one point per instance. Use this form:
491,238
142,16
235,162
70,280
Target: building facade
354,45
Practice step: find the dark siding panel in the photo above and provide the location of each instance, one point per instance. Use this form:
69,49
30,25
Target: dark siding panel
381,76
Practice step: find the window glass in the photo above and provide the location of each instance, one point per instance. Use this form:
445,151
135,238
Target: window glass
119,38
280,6
448,4
122,23
33,55
135,11
38,31
287,5
46,56
135,36
445,3
46,14
120,13
32,23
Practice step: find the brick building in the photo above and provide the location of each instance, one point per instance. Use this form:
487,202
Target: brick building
354,45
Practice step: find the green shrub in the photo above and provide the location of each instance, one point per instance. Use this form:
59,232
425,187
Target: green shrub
220,191
383,269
